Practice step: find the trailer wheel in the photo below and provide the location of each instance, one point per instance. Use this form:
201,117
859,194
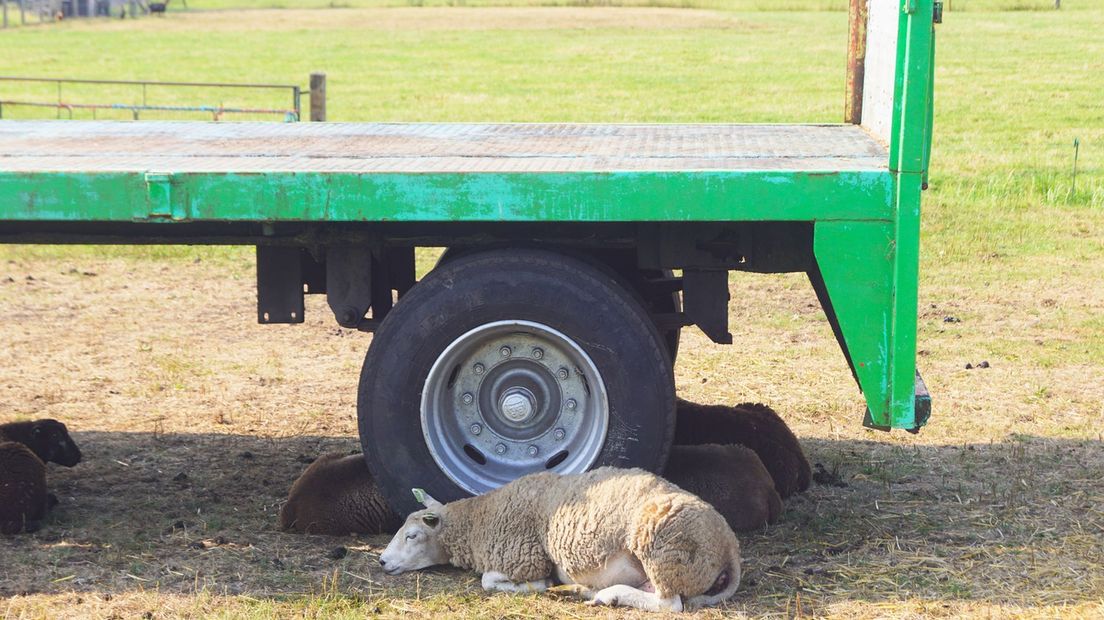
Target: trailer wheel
508,362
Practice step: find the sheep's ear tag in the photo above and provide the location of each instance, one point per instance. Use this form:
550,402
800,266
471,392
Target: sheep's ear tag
431,519
419,495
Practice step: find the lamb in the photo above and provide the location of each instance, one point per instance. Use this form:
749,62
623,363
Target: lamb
25,447
337,495
615,536
48,439
731,478
755,426
23,497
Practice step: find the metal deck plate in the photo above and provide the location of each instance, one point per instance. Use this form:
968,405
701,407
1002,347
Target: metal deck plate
208,147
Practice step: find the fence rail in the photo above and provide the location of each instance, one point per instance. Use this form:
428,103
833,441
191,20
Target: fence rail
62,105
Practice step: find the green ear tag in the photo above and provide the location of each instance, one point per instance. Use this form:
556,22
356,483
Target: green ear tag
419,495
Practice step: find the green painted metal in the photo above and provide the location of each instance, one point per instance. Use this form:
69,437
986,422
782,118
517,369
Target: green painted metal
511,197
856,261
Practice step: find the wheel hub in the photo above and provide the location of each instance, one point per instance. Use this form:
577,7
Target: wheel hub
510,398
517,404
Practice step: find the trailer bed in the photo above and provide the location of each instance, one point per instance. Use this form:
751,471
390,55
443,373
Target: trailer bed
186,171
191,147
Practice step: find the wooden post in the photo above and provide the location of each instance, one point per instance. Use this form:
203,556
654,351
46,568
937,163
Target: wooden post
856,62
5,3
22,14
318,97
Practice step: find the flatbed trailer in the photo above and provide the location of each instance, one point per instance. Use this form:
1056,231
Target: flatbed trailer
545,337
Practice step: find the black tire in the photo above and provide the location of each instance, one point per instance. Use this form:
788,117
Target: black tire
637,280
567,294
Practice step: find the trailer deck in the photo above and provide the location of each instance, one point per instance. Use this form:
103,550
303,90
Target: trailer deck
101,171
198,147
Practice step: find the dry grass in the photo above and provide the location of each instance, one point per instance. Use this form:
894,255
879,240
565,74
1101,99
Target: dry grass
995,510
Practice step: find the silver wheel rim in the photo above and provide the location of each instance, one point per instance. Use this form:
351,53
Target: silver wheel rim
510,398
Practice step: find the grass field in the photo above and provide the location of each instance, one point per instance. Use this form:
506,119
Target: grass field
995,510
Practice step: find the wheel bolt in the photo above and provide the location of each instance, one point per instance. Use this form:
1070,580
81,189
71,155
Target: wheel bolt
533,450
478,368
538,353
500,448
562,373
571,404
476,429
468,398
505,352
559,434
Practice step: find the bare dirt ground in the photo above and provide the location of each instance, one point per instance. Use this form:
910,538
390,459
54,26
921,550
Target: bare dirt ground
195,420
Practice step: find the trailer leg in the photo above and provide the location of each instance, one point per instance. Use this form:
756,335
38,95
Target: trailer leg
856,276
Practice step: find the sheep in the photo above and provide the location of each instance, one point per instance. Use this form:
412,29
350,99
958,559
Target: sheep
48,439
753,425
731,478
25,448
23,497
614,536
337,495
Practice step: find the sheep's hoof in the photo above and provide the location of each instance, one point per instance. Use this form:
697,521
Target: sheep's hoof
570,589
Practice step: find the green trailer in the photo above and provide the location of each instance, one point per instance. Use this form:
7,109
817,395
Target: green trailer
546,335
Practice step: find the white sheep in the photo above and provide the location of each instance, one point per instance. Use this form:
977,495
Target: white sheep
615,536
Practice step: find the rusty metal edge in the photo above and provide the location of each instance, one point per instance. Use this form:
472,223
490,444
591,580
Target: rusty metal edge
856,61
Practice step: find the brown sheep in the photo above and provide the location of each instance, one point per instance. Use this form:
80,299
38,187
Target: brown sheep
25,448
337,495
755,426
731,478
23,497
48,439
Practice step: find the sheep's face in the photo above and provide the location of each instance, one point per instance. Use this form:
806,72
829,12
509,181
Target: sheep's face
416,544
50,440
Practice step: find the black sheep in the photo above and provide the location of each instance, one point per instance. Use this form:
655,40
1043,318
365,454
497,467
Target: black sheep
731,478
337,495
753,425
25,447
48,439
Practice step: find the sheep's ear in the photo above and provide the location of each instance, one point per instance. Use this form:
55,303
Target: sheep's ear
425,499
431,519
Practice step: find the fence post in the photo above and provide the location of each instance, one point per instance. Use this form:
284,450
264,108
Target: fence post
5,3
318,97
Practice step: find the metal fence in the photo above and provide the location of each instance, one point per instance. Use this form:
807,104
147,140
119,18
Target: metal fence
25,97
28,12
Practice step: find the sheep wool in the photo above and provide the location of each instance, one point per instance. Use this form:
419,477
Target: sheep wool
755,426
337,495
573,526
731,478
23,496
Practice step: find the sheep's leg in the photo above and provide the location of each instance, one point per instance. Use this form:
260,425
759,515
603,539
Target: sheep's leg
628,596
498,582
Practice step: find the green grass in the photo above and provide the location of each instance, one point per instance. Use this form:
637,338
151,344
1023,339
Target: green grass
720,5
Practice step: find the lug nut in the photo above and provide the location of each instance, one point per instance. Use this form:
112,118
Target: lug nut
500,448
505,352
533,450
559,434
538,353
478,368
571,404
562,373
468,398
476,429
